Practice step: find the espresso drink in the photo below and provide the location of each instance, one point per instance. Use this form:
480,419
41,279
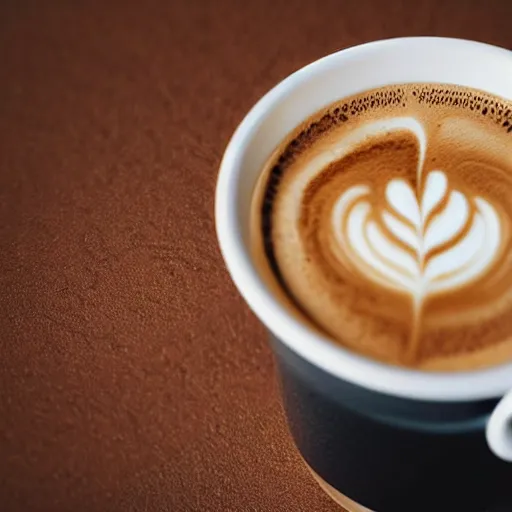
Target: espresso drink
386,221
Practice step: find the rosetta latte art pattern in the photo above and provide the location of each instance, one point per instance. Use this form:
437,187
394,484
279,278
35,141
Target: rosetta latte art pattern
463,237
423,241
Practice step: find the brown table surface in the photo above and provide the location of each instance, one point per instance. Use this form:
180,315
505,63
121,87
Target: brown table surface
132,375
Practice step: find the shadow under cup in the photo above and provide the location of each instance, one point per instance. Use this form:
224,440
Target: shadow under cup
388,438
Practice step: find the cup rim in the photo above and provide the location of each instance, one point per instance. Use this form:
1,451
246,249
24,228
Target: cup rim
312,346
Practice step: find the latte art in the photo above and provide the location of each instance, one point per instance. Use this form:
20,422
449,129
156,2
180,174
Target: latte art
393,233
409,247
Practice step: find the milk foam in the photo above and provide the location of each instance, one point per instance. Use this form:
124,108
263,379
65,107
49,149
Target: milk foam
394,236
466,230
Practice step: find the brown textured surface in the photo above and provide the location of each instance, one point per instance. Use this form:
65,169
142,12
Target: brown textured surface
132,376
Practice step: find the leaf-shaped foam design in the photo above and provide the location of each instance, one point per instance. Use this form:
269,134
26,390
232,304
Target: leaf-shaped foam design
419,239
463,231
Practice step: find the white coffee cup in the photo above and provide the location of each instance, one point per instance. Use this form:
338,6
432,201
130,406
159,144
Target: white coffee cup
351,71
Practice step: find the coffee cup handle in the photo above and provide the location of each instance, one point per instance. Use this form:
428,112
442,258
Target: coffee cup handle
499,429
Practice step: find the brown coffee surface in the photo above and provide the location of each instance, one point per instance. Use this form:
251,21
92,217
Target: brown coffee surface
386,220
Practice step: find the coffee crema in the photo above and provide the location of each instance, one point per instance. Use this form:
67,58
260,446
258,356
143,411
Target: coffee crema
385,221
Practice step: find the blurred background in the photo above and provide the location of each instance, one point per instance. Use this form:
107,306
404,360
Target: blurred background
132,376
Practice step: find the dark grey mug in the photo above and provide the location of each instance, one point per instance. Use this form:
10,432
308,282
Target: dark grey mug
373,435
